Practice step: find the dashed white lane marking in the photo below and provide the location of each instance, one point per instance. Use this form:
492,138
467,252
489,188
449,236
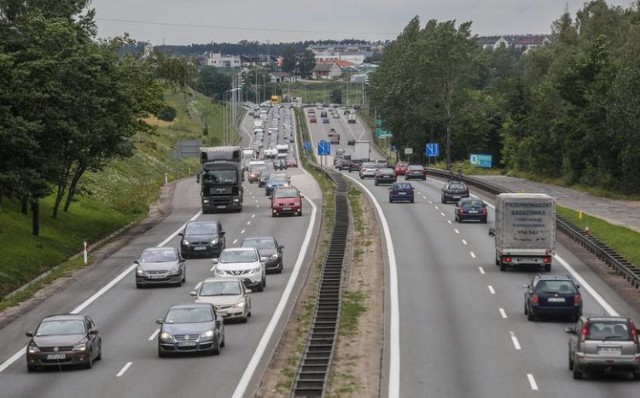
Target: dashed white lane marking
242,231
234,241
464,242
491,290
472,254
456,229
481,270
437,208
154,335
430,202
253,216
257,205
514,339
502,313
449,221
124,369
248,222
532,382
442,214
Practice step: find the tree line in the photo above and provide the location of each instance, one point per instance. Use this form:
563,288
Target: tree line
68,102
567,109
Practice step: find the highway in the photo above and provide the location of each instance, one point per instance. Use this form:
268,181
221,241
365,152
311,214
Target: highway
125,316
461,328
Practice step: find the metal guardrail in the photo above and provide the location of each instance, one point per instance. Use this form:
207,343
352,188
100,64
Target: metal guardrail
609,256
313,370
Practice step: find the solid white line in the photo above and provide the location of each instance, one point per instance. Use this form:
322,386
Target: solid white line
532,382
472,254
514,339
242,231
502,313
481,270
234,241
212,268
587,287
124,369
473,196
196,287
464,242
154,335
456,229
491,290
241,388
394,316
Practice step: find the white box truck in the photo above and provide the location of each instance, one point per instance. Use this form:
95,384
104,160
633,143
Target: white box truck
361,151
525,230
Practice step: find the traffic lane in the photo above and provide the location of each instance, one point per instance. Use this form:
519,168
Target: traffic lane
441,295
156,301
86,282
550,332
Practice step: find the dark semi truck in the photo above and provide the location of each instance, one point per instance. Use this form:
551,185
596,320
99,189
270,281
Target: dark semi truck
221,178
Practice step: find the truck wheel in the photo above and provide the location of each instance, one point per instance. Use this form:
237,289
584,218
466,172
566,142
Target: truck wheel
577,374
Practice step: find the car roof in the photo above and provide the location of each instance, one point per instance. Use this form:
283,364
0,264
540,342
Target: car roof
386,169
217,280
238,249
257,237
191,305
607,318
551,277
160,249
64,317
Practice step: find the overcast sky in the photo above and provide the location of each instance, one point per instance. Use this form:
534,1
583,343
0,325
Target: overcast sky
205,21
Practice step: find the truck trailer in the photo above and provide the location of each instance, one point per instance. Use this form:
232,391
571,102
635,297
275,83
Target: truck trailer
221,178
525,230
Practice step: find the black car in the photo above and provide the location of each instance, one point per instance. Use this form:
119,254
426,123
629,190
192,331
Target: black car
453,190
190,328
264,176
202,239
415,171
556,295
401,192
267,247
385,175
471,209
65,339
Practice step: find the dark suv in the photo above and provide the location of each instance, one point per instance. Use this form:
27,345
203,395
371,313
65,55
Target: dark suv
202,239
604,343
453,191
401,192
555,295
471,209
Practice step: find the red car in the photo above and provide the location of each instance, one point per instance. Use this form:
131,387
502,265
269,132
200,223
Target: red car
286,200
312,119
415,171
254,174
401,168
292,162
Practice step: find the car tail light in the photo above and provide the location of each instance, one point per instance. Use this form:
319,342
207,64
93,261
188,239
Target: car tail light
634,332
583,332
547,260
577,300
507,259
534,299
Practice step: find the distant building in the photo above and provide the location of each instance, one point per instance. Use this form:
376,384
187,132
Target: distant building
518,41
220,61
326,71
283,77
354,53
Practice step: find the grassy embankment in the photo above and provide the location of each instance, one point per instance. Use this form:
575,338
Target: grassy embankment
110,200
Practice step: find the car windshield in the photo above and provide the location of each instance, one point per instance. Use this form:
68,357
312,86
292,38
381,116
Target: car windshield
189,315
415,168
259,243
220,288
158,256
471,204
385,170
401,186
555,287
61,327
278,179
201,228
238,256
456,185
608,331
220,176
286,193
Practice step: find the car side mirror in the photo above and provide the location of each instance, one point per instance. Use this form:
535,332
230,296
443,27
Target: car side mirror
136,262
247,290
577,286
29,334
193,293
570,330
93,331
214,260
263,259
222,233
525,285
492,232
280,247
159,321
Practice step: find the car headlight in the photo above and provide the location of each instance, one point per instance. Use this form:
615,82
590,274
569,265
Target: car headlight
256,270
218,271
205,201
274,256
80,347
33,348
215,241
206,335
239,305
139,270
175,270
185,242
165,336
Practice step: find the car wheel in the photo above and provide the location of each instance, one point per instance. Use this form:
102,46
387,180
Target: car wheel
577,374
300,213
215,349
99,357
424,178
376,183
390,200
184,275
525,309
531,316
31,368
273,214
138,286
411,200
89,363
503,267
636,376
442,199
224,342
161,354
260,288
570,363
280,268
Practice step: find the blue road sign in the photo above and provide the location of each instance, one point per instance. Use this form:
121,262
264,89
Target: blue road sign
324,148
306,145
481,160
432,150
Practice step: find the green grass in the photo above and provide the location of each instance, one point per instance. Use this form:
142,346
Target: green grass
353,305
107,201
621,239
320,91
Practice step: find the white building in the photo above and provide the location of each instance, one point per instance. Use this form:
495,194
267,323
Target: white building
222,61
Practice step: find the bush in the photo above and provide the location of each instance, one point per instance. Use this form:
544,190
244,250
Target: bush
167,114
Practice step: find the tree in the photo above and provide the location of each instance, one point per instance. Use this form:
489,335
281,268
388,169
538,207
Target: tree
307,63
212,82
290,61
